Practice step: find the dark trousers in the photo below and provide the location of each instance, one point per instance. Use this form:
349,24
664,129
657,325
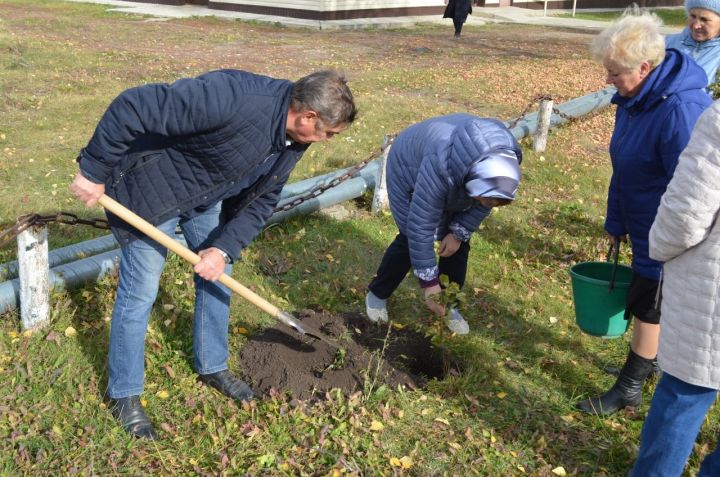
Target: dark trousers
458,26
396,264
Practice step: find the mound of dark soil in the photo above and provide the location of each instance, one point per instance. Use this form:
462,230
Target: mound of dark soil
281,360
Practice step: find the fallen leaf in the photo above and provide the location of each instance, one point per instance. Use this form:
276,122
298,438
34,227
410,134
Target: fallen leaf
53,336
170,371
163,394
559,470
501,395
406,462
70,331
376,426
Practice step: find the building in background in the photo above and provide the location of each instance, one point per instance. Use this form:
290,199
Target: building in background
324,10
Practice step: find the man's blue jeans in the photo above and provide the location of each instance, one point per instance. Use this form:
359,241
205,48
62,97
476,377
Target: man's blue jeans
141,265
676,414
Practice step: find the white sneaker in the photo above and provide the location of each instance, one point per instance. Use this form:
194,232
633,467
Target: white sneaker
457,323
376,308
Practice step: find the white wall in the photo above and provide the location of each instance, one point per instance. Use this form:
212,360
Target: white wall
338,5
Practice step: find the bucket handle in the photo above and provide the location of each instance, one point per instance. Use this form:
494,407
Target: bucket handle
615,251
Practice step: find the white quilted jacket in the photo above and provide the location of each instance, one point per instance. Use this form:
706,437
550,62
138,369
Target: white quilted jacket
686,236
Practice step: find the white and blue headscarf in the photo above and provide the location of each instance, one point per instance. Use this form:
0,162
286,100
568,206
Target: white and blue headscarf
495,175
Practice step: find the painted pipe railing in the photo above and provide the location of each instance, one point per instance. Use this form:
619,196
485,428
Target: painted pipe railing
95,265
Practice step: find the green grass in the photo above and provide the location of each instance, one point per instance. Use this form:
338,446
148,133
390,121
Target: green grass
510,412
670,16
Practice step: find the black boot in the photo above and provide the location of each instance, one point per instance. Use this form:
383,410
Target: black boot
130,414
228,384
627,390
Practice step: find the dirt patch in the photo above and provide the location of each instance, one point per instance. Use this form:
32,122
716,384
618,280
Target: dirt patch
368,356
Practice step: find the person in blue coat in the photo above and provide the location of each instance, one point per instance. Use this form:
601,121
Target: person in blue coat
701,38
444,175
210,154
660,95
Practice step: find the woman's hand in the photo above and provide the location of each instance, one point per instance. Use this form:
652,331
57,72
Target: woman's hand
616,239
211,265
449,245
434,306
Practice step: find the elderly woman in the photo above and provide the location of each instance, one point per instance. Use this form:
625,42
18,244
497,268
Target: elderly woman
660,95
701,38
444,175
686,236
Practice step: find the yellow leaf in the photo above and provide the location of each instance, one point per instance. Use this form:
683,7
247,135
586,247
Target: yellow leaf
241,330
70,332
194,461
143,401
444,421
56,429
27,333
12,334
162,394
501,395
376,426
395,462
398,326
406,462
559,470
568,418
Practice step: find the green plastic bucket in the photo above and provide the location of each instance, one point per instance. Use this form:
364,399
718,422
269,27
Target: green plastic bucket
599,308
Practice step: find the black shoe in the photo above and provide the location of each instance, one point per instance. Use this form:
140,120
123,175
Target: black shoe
131,416
228,384
627,390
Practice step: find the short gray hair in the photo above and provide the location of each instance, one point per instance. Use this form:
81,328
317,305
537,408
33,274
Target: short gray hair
326,92
633,38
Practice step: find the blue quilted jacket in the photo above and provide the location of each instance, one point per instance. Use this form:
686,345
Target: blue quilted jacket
705,54
164,150
651,129
426,168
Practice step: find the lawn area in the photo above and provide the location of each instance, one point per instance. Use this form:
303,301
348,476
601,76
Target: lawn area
670,16
510,411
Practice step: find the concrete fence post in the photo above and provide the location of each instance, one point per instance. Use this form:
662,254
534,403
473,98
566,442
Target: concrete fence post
543,126
380,201
34,277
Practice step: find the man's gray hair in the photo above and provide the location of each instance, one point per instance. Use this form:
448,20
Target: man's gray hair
633,38
327,93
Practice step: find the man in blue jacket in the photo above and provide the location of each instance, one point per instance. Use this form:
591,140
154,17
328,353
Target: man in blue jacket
211,154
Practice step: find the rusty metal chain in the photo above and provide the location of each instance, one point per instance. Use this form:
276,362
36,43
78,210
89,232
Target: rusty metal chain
533,101
526,110
24,222
319,189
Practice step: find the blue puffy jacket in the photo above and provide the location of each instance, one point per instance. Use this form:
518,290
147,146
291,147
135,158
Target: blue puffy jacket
705,54
426,168
169,149
651,129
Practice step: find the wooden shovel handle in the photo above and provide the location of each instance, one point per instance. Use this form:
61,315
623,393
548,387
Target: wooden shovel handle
166,241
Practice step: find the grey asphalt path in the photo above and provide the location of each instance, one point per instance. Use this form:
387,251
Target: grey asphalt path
480,16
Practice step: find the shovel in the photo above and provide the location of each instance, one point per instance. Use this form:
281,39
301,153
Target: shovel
160,237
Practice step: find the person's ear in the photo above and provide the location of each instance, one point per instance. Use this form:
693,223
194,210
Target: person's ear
645,68
309,117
